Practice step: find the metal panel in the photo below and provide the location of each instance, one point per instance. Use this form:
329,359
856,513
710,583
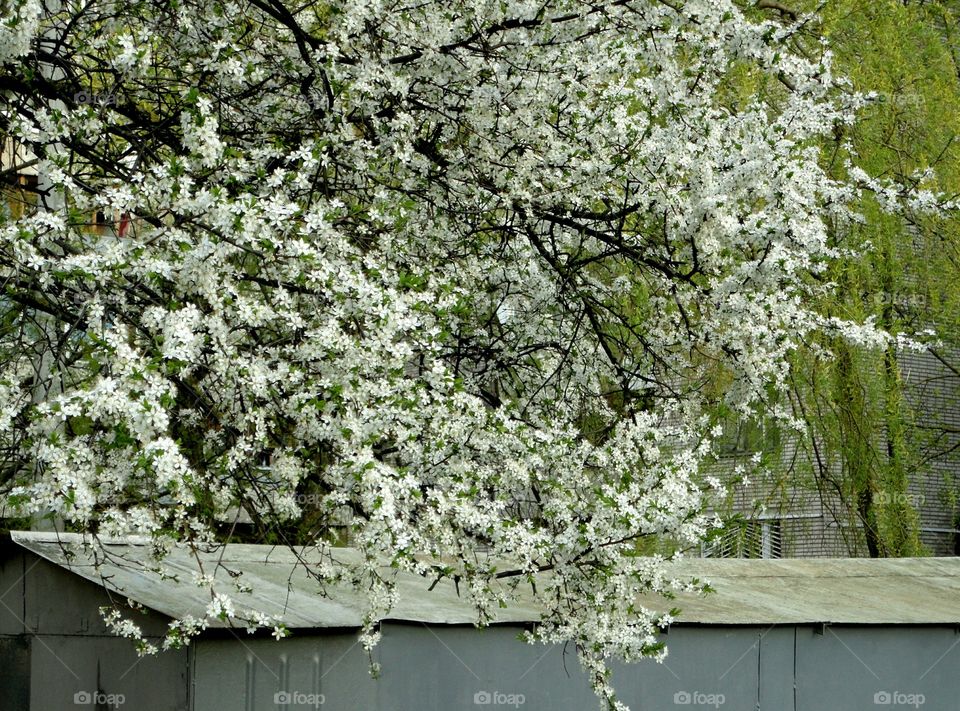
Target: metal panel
463,668
326,671
776,645
706,667
865,669
58,602
11,588
439,668
14,673
95,673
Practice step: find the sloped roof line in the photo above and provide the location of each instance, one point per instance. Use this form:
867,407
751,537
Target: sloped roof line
748,592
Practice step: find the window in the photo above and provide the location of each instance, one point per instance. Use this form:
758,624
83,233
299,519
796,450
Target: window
747,435
757,538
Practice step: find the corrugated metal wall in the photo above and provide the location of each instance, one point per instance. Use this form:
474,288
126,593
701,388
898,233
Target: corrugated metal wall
440,668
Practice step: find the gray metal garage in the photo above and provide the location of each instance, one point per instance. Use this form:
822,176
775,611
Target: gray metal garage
778,634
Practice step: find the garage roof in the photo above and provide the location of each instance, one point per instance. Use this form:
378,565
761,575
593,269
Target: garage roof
748,592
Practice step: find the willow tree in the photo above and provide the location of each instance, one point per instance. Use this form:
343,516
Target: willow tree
868,437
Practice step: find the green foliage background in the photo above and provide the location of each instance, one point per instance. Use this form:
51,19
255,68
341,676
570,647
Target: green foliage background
866,441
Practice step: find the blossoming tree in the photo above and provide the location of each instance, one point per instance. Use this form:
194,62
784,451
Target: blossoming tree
459,270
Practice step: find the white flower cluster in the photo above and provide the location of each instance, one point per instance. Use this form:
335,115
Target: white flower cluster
18,27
